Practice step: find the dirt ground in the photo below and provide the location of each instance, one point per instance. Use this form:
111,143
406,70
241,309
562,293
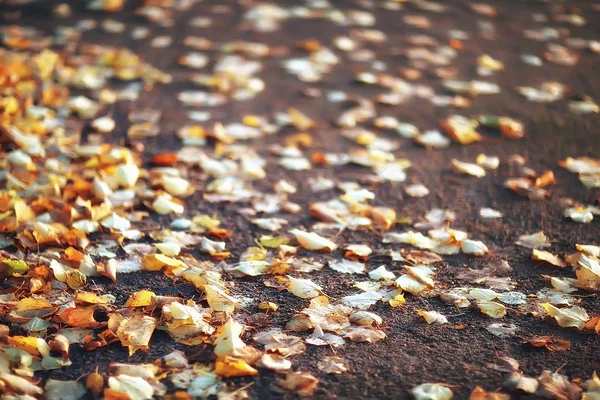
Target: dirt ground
413,352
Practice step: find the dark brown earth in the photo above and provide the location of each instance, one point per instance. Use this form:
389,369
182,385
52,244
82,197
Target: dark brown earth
414,352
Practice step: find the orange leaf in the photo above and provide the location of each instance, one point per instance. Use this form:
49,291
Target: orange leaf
550,343
593,325
165,159
220,233
220,255
81,318
71,254
110,394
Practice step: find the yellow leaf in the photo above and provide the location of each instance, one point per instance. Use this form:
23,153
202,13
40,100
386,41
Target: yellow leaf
491,308
230,366
143,298
135,332
300,120
91,298
30,303
75,279
32,345
23,212
397,301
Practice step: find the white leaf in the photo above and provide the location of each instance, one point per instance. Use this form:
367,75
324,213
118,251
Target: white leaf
251,268
579,214
362,300
229,340
433,139
433,317
313,241
489,162
482,294
489,213
381,273
175,185
502,330
536,240
347,266
417,190
103,124
163,204
468,168
134,387
361,250
365,318
274,362
64,390
218,300
513,298
116,222
431,391
474,247
409,284
304,288
169,249
127,174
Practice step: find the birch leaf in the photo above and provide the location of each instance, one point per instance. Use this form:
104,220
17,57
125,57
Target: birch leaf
313,241
468,168
492,308
229,340
135,332
575,317
433,317
304,288
218,300
134,387
362,301
347,266
536,240
541,255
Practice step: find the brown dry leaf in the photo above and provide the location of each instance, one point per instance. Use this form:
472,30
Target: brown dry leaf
300,121
302,383
332,365
481,394
557,386
518,381
550,343
420,256
364,334
541,255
